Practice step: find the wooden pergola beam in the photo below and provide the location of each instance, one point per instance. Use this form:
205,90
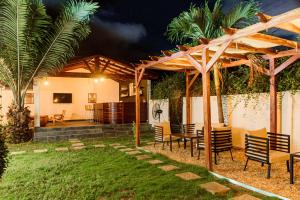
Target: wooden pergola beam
187,98
286,64
193,79
264,18
194,63
207,111
217,55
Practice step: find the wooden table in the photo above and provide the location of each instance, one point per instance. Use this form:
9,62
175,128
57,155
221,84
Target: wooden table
184,136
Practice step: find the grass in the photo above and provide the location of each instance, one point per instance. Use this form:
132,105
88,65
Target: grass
98,174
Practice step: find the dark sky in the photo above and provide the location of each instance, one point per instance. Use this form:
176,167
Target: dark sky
129,30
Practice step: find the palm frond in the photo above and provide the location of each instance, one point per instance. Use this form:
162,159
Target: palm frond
71,27
242,14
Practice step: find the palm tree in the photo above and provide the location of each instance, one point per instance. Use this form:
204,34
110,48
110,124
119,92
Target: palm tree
205,23
32,44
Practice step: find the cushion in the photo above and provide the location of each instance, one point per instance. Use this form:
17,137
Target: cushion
217,125
258,133
167,128
277,156
225,128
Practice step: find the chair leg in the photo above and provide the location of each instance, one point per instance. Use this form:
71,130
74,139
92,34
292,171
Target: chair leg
231,155
178,141
288,166
198,153
154,143
262,164
163,147
269,171
216,158
246,164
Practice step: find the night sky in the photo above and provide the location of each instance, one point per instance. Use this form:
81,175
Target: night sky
130,30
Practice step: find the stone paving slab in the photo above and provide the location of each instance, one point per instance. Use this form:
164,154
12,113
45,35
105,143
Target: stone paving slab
119,147
40,150
62,149
215,188
79,147
115,144
245,197
155,162
167,168
143,157
77,144
188,176
17,152
99,145
74,140
133,152
127,149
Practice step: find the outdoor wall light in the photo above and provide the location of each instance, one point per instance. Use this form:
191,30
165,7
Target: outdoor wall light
46,82
102,79
96,80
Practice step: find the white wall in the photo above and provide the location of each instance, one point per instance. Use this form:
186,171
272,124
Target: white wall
244,114
107,91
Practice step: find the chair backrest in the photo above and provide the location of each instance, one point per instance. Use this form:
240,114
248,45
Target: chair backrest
279,142
221,139
158,133
200,137
189,128
257,148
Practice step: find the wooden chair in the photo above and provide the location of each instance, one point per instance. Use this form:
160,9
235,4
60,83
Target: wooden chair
162,137
188,129
267,150
59,117
221,141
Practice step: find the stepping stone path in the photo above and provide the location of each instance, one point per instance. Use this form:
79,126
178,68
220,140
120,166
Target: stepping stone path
115,144
77,144
99,145
143,157
40,151
79,147
127,149
188,176
74,140
245,197
119,147
17,152
167,168
155,162
215,188
133,152
62,149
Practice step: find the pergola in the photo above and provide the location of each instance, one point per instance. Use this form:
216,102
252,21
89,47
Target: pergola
231,50
98,65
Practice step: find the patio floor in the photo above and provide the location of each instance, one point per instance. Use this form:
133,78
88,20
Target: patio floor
254,176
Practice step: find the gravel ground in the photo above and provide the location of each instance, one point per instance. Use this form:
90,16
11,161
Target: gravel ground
279,183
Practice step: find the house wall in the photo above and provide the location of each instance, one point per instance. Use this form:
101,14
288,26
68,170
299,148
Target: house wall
244,114
107,91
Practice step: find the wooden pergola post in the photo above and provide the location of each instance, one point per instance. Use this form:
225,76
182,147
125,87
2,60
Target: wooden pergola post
138,79
273,97
206,110
187,98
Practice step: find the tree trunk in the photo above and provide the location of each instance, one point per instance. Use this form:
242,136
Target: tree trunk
18,130
218,93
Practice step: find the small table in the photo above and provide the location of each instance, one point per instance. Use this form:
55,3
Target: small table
292,157
184,136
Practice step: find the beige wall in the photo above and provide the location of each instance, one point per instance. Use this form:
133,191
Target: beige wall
107,91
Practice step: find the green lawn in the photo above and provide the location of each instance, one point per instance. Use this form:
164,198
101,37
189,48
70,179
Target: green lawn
97,174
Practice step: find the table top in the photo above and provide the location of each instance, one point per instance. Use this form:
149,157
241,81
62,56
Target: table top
184,135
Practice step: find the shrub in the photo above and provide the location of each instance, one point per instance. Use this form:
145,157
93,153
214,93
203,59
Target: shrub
3,153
